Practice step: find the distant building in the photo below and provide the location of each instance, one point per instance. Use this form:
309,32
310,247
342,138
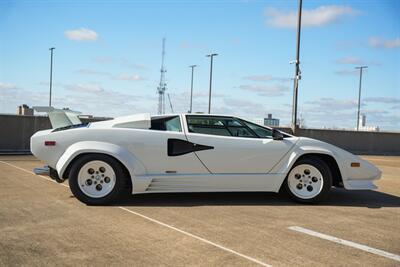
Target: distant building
269,121
24,110
369,128
362,120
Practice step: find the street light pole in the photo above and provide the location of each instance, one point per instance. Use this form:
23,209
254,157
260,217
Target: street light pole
297,71
211,56
191,89
51,72
359,95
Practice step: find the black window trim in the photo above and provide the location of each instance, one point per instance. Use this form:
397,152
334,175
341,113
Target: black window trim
160,117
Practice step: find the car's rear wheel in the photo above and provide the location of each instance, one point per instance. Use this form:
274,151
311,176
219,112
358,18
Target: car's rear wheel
309,180
97,179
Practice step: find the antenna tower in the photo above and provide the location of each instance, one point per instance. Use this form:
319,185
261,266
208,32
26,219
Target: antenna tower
163,85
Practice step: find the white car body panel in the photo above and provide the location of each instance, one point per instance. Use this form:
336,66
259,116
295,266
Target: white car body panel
240,154
138,121
232,164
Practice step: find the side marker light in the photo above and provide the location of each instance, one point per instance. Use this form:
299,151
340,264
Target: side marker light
49,143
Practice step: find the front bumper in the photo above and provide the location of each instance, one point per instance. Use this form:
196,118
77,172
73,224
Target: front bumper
363,184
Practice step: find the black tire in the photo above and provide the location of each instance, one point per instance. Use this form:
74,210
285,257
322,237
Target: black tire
324,169
122,180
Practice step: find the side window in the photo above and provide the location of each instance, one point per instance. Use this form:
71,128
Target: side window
206,125
259,130
219,126
171,123
238,129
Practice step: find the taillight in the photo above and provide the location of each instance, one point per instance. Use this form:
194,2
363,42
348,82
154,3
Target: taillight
49,143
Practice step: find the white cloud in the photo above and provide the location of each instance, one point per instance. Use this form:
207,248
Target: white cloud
7,86
327,104
377,42
128,64
263,90
246,108
383,99
85,88
129,77
320,16
81,34
92,72
103,59
355,61
350,61
265,78
347,72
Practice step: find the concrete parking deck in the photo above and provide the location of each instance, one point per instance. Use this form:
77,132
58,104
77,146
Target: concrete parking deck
41,223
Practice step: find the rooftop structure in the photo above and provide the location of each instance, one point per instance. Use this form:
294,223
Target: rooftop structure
24,110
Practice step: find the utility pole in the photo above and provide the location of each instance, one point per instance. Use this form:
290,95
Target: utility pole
297,75
211,56
191,89
51,72
170,104
359,95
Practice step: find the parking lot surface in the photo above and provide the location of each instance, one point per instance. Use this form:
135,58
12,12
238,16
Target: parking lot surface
41,224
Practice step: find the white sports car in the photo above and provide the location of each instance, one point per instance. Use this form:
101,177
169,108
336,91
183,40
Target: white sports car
191,153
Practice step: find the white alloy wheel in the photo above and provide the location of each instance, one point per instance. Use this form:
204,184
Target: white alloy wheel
305,181
96,179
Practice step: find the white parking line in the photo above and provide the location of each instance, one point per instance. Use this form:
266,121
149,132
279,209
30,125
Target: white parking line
197,237
22,169
161,223
346,243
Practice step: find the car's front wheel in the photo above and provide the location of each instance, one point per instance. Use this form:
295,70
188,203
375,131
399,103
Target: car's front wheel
309,180
97,179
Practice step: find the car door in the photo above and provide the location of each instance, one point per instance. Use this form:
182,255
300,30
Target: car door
151,147
236,148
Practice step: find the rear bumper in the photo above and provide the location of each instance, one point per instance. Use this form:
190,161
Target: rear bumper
48,171
45,170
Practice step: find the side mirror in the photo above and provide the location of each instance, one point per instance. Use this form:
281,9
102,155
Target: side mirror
276,135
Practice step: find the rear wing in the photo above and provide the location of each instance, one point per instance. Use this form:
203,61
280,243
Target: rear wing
60,117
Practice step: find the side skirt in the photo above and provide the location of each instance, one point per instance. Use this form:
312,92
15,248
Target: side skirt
207,182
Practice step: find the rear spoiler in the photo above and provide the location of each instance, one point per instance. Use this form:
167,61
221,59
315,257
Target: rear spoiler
60,117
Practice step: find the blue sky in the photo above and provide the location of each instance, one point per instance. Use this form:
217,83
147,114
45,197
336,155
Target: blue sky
108,54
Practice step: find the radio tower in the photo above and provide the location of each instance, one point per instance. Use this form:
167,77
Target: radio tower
163,85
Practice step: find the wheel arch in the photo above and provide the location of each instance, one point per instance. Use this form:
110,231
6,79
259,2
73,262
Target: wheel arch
337,179
129,162
71,163
287,163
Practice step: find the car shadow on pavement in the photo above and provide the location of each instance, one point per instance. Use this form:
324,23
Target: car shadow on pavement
338,197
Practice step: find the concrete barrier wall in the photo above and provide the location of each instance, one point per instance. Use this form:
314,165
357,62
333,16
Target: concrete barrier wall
366,143
16,130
